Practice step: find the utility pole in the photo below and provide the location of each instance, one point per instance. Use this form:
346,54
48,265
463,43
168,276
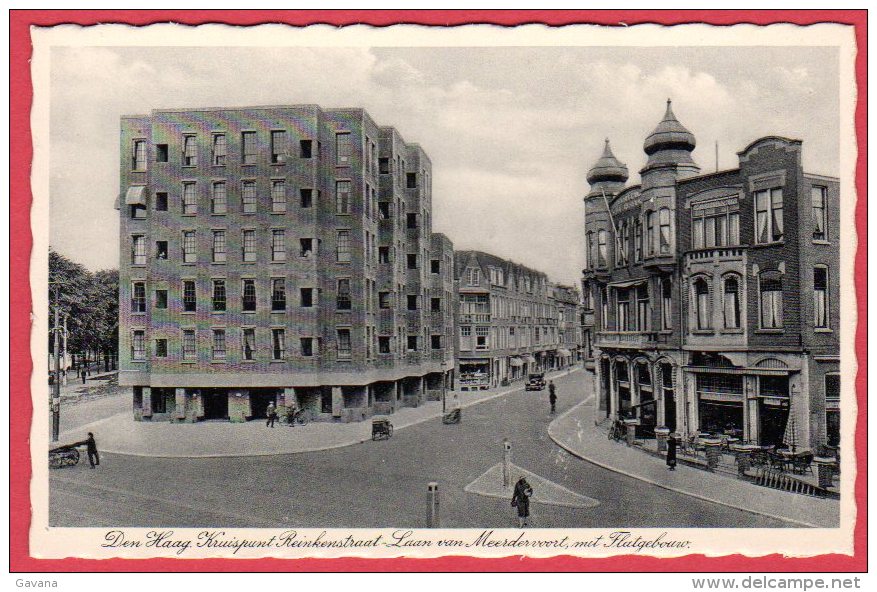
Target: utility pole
56,384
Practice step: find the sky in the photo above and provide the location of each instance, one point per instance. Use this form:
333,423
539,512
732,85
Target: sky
511,132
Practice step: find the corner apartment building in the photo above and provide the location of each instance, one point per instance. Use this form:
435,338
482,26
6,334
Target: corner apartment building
507,321
278,254
570,337
713,297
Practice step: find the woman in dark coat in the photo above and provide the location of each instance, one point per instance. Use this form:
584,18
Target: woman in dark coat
671,452
521,500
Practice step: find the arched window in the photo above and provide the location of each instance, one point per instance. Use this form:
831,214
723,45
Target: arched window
601,248
651,238
702,303
664,220
731,302
666,304
771,301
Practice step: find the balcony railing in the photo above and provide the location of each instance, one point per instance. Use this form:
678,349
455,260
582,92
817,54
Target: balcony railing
716,254
628,338
475,318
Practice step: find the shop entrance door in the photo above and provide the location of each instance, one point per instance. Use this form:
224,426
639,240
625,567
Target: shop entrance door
215,403
774,417
259,403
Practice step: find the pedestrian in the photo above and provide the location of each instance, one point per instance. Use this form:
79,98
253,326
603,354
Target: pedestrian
521,500
271,412
671,452
552,395
91,447
83,376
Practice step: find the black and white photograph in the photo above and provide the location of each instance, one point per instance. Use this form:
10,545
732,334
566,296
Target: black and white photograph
321,291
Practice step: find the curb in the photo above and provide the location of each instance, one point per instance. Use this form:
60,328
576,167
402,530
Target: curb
344,444
705,498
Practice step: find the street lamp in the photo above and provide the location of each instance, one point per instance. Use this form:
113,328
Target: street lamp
444,387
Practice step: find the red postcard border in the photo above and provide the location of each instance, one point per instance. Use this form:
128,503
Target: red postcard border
21,151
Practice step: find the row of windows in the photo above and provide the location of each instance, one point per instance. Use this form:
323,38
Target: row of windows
524,283
251,348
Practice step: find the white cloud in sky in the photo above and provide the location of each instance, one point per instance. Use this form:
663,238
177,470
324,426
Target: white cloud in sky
511,132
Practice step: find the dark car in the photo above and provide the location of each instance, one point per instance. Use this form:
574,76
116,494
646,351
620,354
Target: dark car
535,382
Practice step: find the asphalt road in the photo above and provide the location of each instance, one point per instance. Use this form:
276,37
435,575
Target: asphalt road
379,484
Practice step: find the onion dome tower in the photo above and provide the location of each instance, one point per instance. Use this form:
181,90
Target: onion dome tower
606,179
669,146
608,175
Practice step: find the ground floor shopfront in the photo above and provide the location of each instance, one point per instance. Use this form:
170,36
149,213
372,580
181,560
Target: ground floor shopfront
765,398
321,403
482,373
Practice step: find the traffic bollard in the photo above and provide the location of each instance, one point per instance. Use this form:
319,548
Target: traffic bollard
432,505
506,462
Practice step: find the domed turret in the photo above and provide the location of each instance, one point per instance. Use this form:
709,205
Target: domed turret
608,174
671,144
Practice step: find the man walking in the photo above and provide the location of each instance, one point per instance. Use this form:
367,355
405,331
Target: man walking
552,395
521,500
271,412
91,447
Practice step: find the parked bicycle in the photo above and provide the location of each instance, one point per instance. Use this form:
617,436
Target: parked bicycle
617,431
298,416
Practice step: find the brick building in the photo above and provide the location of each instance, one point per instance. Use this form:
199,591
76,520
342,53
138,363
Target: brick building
279,254
712,298
508,321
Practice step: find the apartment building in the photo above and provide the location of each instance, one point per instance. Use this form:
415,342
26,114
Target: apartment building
278,255
713,298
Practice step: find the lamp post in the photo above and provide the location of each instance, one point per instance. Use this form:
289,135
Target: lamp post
444,387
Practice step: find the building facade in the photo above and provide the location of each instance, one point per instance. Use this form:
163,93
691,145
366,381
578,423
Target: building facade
712,298
508,321
279,254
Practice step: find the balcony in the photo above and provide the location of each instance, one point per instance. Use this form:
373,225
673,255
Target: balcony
475,318
716,255
628,339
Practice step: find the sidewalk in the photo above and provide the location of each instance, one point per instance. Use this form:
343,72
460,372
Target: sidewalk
575,431
120,434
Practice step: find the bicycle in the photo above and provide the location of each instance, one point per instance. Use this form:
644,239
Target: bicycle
616,432
299,416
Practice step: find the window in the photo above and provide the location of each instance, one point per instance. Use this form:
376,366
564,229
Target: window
832,413
138,212
412,260
307,343
768,216
343,148
248,197
820,297
249,153
771,289
590,251
306,295
161,201
161,153
189,352
601,248
624,321
248,344
643,312
161,348
219,344
412,343
278,245
190,299
138,297
411,180
190,255
820,221
666,304
435,304
731,302
481,334
436,341
342,299
473,276
383,344
278,196
249,245
343,343
638,240
384,254
138,158
279,149
709,229
161,250
218,299
342,249
278,344
306,247
384,300
702,304
412,301
342,197
220,149
138,345
218,198
604,308
664,234
190,200
190,151
384,210
248,295
161,299
218,253
651,237
306,196
384,166
305,148
622,245
278,294
411,220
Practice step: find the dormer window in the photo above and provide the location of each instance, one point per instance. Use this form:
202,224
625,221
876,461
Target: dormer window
473,276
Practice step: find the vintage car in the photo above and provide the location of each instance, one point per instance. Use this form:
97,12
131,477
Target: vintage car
535,382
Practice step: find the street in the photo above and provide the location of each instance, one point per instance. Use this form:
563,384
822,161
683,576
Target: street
378,484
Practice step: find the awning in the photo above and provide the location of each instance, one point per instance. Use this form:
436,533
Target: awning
564,352
529,359
516,362
134,196
628,283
